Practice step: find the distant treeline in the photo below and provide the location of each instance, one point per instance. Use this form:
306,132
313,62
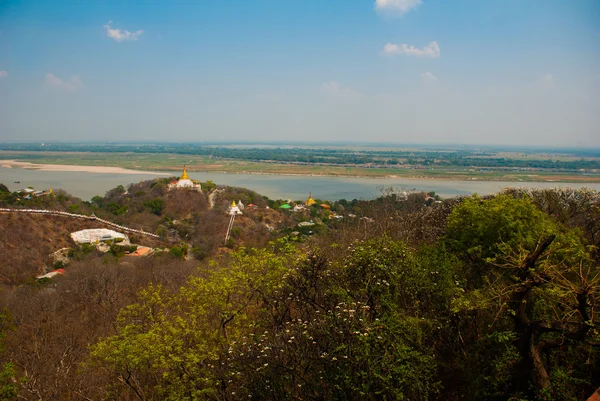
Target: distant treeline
359,157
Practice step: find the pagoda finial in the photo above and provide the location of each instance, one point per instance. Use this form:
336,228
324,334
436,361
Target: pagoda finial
184,175
233,203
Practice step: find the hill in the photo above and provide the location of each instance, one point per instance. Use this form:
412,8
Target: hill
183,219
27,240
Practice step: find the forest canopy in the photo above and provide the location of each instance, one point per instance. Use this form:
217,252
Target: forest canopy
471,299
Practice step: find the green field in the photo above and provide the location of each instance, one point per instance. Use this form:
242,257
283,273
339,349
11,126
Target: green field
174,163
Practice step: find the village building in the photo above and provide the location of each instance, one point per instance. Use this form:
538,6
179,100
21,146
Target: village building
142,251
28,192
306,224
52,274
185,182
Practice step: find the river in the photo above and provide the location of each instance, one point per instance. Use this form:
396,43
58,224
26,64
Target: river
87,185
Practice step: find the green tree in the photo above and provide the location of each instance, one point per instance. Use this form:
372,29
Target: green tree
179,251
117,209
8,386
347,330
170,346
155,205
208,185
531,279
97,200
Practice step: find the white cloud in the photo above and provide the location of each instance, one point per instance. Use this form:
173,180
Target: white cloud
3,74
71,85
119,35
431,50
428,78
396,7
391,48
334,88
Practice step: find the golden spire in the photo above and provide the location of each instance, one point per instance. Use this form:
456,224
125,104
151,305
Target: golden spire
51,192
184,176
233,203
310,201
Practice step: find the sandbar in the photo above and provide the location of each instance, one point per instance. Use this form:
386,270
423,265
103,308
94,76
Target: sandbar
74,168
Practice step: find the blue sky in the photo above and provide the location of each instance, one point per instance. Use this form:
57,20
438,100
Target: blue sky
512,72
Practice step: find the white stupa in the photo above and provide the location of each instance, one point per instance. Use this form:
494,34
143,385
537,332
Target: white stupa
233,209
185,182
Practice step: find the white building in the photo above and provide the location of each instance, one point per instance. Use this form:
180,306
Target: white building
94,235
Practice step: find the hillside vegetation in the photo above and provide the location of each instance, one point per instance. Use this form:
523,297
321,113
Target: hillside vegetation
181,218
469,299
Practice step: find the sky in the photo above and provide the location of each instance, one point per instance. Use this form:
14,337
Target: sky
501,72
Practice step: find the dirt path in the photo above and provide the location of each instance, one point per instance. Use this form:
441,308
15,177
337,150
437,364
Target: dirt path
211,197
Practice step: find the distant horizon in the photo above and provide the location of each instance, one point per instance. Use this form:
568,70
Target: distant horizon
441,146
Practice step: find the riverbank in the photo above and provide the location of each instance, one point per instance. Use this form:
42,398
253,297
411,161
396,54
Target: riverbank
164,164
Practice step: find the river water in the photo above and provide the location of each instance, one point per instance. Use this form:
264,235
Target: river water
87,185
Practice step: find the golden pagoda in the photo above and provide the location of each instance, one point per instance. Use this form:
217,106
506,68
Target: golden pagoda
185,182
184,175
310,201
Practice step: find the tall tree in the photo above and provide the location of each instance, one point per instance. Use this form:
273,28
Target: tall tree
528,275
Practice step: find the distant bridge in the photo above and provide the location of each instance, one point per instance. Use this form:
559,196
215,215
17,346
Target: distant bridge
80,216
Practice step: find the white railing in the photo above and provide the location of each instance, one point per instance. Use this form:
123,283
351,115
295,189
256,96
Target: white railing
79,216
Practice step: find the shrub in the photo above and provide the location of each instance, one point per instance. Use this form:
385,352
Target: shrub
117,209
179,251
155,205
200,252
